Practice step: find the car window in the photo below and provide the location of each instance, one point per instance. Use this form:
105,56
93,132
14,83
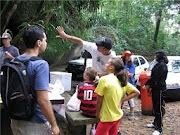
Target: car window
142,61
174,66
152,64
136,62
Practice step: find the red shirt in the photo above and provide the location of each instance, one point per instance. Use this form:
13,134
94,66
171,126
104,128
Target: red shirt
88,98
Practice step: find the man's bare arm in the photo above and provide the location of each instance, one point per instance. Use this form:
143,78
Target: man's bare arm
46,108
63,35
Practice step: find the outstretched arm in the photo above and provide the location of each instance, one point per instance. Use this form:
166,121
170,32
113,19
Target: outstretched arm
73,39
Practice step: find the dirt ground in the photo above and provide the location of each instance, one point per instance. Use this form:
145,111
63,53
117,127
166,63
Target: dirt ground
171,121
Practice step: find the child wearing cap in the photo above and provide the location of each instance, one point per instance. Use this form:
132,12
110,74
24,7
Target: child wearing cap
7,51
130,67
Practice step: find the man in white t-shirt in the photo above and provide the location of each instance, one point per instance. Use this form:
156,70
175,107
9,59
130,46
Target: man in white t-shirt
100,50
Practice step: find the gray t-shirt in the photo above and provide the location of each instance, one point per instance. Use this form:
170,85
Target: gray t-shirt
12,50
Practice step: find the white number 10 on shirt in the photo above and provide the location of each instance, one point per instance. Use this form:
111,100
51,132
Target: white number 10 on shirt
88,94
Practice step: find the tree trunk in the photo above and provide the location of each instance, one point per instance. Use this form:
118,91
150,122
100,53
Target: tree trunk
48,16
158,21
7,14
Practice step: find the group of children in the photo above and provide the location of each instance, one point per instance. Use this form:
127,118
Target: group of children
104,98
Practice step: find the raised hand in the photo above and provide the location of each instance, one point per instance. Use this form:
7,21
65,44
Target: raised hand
61,32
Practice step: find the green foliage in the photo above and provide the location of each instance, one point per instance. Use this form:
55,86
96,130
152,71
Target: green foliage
55,47
134,24
130,23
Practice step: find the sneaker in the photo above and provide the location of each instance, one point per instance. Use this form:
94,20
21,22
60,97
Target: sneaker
150,125
131,116
156,132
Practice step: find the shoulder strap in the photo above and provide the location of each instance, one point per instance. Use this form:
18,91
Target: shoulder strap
26,62
34,58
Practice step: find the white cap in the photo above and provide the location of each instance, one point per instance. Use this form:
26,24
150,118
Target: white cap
6,34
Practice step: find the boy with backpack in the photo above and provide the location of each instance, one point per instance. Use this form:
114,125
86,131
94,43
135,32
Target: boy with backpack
42,121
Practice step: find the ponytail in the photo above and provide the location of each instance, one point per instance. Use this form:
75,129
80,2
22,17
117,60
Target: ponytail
122,76
120,71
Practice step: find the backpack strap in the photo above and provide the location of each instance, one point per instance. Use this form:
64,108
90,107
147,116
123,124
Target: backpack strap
26,62
34,58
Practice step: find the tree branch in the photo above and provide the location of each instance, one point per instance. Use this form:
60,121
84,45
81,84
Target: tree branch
158,21
10,13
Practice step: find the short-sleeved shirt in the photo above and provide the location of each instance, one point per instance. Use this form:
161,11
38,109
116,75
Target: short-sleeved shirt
110,88
88,98
98,59
39,74
131,69
12,50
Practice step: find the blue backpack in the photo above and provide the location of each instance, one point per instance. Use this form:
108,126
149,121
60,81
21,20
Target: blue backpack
17,94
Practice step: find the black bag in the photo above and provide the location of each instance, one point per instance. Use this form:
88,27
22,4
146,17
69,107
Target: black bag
18,96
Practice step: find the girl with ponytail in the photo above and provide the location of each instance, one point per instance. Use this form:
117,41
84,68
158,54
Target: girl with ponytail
111,90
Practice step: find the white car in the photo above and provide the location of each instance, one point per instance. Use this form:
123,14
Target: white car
173,78
76,67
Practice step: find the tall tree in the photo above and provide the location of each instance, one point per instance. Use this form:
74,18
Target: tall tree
7,11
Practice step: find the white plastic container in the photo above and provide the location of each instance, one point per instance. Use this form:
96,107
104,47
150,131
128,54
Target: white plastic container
64,77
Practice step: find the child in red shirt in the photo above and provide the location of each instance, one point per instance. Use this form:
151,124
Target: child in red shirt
86,92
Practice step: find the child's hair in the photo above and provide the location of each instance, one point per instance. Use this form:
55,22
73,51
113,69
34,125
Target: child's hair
91,73
120,71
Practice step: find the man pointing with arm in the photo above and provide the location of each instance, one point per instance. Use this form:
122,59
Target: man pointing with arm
100,50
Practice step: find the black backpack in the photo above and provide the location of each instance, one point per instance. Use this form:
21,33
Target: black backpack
18,96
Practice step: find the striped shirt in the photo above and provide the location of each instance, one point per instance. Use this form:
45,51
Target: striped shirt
88,98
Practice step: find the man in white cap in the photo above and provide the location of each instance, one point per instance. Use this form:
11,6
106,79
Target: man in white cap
7,51
100,50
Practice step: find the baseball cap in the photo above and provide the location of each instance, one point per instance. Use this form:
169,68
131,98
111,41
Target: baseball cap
104,42
6,34
127,53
